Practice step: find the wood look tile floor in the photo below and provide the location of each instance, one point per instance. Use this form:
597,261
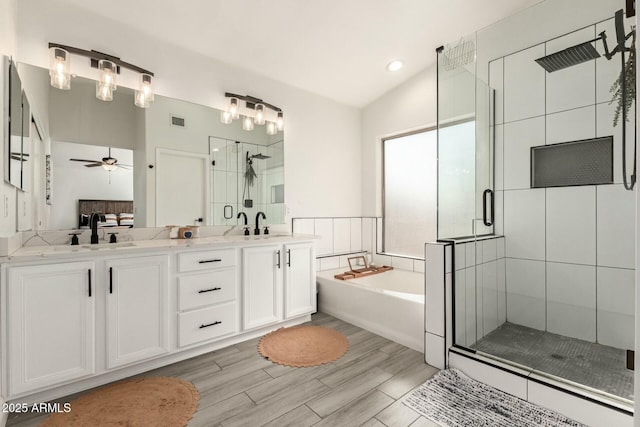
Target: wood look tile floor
238,387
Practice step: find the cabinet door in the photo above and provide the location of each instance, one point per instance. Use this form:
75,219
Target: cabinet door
261,285
50,330
299,279
137,309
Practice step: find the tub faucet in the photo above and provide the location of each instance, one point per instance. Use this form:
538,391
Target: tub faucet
246,226
257,230
93,222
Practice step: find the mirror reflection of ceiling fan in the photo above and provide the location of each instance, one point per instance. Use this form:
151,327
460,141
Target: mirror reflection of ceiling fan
108,163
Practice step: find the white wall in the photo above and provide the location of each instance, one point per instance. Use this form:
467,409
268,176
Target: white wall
322,145
410,106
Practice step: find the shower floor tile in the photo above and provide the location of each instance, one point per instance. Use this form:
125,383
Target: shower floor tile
591,364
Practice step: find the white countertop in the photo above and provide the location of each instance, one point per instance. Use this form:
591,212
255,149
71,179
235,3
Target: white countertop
53,252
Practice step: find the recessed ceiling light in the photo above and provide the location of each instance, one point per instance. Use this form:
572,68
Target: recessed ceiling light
394,65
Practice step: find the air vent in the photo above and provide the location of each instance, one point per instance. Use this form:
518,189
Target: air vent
177,121
585,162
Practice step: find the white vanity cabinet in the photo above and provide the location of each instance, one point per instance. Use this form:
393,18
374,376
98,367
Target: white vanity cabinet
51,324
207,296
262,286
137,309
278,282
299,279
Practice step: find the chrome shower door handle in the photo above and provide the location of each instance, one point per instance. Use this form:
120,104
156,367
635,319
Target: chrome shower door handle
488,222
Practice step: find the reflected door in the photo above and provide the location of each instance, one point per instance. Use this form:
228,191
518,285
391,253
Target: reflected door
182,187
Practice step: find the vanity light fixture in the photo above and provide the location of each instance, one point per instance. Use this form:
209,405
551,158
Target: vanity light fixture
272,128
109,67
59,64
256,113
247,123
144,95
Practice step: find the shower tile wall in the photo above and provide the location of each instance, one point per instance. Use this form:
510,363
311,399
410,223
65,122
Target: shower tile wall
569,250
480,290
341,238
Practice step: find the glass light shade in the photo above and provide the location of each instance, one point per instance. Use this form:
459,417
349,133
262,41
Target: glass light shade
59,66
104,92
272,129
233,108
259,119
108,73
144,95
226,117
280,121
247,123
109,167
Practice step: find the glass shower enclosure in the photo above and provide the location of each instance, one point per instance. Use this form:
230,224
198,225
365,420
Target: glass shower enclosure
544,244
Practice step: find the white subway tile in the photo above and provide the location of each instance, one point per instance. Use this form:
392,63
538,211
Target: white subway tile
329,263
460,250
434,299
470,254
524,83
402,263
448,258
571,300
460,308
524,224
324,229
356,234
418,265
496,82
502,290
367,235
574,86
616,302
526,293
616,226
303,226
499,158
572,125
489,250
434,350
341,235
470,306
500,247
519,137
571,224
489,297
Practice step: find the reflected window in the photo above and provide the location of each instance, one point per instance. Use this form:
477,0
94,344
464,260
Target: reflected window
409,193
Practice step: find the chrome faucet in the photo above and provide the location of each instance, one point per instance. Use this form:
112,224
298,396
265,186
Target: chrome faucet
93,222
246,226
257,230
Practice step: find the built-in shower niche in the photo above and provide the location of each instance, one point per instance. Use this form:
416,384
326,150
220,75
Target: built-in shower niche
586,162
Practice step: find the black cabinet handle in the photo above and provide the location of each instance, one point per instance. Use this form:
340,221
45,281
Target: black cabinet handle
217,322
278,253
205,261
89,283
202,291
110,280
488,222
289,257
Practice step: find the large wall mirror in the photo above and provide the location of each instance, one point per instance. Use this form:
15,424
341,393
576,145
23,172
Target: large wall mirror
175,163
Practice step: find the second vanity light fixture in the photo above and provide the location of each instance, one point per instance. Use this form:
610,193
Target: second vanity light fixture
108,66
257,114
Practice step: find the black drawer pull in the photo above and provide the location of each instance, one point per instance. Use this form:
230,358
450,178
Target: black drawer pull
110,280
210,324
89,283
205,261
202,291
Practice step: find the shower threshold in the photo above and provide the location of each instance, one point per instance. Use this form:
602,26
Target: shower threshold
594,365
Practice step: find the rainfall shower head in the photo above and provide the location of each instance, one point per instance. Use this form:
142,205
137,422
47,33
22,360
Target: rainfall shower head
260,156
569,57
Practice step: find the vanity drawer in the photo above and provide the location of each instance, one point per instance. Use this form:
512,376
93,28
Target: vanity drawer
206,260
207,323
212,287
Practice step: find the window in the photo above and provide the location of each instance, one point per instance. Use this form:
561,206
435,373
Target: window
409,193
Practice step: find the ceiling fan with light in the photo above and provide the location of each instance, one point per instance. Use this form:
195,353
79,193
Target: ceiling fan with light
108,163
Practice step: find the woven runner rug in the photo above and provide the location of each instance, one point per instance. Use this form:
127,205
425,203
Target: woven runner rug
452,399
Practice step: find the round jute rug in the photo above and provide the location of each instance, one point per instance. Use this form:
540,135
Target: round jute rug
303,346
152,401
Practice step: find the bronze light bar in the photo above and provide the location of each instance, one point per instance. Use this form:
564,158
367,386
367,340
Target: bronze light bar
251,101
95,56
